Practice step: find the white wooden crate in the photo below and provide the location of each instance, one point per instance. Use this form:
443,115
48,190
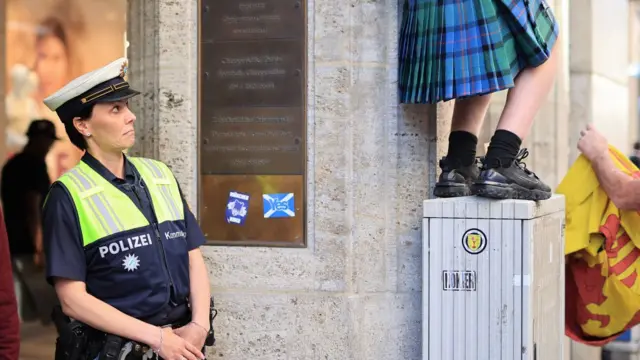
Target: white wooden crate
499,293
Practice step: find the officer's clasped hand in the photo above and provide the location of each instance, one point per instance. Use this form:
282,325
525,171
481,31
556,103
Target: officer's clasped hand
172,347
194,333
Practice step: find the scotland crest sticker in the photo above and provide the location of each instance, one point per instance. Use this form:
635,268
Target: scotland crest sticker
474,241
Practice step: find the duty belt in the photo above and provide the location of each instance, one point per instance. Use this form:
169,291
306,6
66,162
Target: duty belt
136,351
76,339
132,350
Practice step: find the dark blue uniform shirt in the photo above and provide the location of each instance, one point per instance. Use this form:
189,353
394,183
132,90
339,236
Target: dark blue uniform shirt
61,229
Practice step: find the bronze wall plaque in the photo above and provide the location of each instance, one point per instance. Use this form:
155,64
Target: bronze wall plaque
253,140
252,120
253,20
253,73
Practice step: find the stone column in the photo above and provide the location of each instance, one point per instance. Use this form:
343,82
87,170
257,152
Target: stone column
599,63
599,83
354,292
634,80
163,53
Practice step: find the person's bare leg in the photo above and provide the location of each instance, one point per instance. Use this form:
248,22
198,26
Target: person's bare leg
525,99
503,179
458,168
469,113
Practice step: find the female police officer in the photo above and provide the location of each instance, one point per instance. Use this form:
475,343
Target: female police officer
121,245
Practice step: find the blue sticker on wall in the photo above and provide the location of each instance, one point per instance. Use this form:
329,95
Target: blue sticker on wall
237,208
278,205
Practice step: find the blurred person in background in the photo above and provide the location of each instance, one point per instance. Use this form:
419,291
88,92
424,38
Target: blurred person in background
9,323
52,63
25,184
53,68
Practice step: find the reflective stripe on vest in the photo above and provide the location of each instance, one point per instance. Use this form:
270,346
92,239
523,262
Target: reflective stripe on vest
104,210
157,176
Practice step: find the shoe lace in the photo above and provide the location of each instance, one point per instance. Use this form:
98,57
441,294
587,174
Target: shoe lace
523,154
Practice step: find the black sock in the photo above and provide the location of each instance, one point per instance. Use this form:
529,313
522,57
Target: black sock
462,147
503,149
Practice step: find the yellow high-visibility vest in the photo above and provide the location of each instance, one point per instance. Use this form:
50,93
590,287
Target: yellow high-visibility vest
104,210
135,265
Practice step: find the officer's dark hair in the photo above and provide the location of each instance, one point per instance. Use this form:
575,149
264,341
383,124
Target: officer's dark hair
636,146
76,138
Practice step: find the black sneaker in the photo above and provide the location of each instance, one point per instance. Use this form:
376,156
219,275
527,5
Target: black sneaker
455,179
513,182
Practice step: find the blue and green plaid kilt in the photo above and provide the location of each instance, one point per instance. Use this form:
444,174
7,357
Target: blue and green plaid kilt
458,48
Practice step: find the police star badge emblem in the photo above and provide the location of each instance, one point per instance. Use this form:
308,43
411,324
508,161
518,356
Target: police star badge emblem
131,262
124,69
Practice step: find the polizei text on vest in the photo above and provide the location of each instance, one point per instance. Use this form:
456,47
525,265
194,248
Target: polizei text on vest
125,245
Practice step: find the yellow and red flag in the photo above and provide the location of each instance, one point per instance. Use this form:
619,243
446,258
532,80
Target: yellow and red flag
602,256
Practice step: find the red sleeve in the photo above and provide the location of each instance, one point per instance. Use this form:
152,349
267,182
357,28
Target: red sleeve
9,325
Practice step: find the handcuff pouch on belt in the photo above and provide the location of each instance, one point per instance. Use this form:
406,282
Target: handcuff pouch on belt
71,343
111,348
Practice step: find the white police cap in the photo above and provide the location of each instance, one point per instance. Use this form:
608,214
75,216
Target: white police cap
106,84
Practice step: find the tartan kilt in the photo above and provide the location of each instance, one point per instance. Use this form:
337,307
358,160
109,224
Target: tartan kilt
452,49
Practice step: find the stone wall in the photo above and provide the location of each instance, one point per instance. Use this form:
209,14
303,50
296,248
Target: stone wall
634,80
598,65
354,292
